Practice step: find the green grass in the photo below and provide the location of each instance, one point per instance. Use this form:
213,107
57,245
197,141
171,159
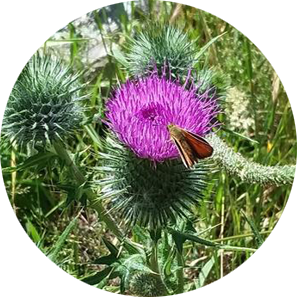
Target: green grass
230,223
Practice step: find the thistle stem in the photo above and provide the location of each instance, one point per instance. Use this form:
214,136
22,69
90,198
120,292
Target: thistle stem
154,264
92,197
154,258
180,273
13,180
247,170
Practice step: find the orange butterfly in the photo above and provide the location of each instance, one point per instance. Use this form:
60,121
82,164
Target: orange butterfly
191,147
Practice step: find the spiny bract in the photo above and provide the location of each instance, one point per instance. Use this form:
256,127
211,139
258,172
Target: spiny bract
146,193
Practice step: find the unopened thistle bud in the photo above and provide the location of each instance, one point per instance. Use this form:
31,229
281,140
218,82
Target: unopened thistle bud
146,285
43,105
158,45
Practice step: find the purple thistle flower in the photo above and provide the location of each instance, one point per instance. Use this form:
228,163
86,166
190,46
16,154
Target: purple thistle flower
140,111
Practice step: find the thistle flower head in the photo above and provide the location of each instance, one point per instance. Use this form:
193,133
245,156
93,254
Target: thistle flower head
144,178
140,111
158,44
43,105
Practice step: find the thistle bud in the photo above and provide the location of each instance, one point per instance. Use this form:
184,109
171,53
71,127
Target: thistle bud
43,106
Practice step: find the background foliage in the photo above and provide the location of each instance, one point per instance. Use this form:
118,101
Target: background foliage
53,210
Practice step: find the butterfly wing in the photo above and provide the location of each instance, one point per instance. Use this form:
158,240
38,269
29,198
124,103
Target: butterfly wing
191,147
185,153
200,147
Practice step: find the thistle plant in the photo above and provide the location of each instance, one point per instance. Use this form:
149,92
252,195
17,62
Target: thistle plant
43,110
147,182
44,104
144,187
